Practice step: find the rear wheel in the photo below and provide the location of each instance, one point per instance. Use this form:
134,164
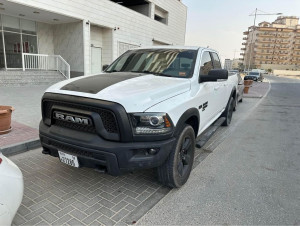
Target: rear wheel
228,112
176,170
235,103
241,100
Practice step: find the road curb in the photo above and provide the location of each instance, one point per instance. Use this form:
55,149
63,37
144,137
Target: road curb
21,147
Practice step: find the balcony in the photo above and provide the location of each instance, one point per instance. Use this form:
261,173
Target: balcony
245,38
283,36
265,40
242,54
297,37
245,32
241,59
265,47
244,43
282,59
265,35
283,54
283,47
265,53
243,49
296,60
284,42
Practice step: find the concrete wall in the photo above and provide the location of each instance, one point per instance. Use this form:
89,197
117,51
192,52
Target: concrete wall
285,72
45,38
144,9
96,36
107,49
279,67
68,42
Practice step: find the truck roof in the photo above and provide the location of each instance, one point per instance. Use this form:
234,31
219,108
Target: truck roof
175,47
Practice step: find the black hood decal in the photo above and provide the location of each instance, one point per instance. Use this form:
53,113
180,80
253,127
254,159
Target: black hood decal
94,84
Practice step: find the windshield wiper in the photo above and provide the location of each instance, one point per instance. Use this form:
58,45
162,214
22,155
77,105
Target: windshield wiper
154,73
112,71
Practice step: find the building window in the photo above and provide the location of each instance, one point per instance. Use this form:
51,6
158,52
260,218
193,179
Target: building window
140,6
161,15
19,37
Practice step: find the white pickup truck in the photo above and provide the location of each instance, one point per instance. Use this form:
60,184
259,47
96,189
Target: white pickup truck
144,111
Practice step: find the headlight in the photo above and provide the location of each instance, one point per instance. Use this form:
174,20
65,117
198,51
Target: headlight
151,123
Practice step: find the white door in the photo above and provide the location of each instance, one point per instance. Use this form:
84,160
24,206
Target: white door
207,94
221,87
96,59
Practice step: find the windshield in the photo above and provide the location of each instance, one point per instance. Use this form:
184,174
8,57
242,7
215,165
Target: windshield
254,73
163,62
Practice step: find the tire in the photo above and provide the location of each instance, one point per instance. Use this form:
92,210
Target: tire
235,103
175,171
228,112
241,100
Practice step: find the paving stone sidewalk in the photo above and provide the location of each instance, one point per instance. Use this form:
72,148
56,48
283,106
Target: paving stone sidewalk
57,194
19,133
25,118
257,90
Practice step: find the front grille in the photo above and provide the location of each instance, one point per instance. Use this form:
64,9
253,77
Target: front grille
76,151
74,126
108,118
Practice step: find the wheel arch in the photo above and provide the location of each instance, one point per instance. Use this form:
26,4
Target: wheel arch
190,117
233,93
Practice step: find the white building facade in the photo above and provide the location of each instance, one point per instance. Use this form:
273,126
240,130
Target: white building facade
86,34
228,64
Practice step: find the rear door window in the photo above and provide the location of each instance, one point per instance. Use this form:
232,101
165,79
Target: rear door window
206,64
216,60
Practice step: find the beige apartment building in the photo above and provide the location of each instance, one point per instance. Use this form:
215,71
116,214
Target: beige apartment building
273,45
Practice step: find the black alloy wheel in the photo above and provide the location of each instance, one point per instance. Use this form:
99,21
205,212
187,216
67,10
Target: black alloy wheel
184,157
175,171
228,112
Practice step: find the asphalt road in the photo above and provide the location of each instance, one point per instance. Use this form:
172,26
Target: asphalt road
252,177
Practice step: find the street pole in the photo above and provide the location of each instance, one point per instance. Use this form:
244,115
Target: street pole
249,61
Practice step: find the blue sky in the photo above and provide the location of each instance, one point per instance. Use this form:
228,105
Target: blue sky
220,24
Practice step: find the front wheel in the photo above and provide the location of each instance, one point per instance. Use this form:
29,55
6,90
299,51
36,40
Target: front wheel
175,171
228,112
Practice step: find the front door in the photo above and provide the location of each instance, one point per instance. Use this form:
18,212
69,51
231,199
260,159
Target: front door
96,61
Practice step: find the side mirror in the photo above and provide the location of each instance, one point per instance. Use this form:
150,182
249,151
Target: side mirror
214,75
104,67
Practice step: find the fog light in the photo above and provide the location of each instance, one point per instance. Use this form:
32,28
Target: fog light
153,151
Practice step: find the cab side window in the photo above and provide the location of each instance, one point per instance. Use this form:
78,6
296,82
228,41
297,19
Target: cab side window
206,64
217,63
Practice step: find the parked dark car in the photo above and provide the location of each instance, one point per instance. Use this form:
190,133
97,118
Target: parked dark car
255,76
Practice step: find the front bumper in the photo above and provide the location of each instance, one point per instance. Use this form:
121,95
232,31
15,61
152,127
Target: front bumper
95,152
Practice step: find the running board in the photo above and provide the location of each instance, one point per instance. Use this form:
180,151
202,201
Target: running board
209,132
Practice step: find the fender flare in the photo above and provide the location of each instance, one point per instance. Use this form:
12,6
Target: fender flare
184,117
232,91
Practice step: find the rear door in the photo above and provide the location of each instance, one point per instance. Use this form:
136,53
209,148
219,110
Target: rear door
221,88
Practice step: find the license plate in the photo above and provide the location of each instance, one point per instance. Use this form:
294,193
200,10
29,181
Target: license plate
68,159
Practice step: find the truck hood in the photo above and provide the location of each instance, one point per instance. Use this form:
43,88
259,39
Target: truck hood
136,92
